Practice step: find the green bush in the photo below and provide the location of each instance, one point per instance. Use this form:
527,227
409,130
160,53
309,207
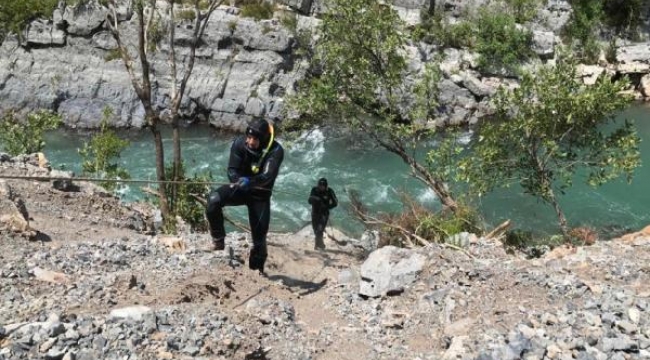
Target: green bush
434,29
185,205
532,245
523,10
155,34
433,226
493,33
458,35
15,15
186,15
113,54
289,21
99,155
581,30
258,10
624,16
26,136
500,43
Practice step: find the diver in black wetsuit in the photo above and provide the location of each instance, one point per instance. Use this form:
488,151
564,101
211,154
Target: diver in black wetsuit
322,200
255,160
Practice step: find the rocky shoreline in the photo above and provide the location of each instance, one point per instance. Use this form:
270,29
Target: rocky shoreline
99,287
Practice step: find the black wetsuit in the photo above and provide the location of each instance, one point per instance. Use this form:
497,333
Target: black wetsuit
256,196
321,204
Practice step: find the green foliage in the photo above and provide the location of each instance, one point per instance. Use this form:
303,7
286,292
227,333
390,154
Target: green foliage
523,10
435,29
548,131
624,16
156,32
26,136
361,81
258,10
582,28
433,226
361,52
185,205
113,54
186,15
446,155
493,33
502,45
232,25
534,246
290,21
15,15
100,154
610,51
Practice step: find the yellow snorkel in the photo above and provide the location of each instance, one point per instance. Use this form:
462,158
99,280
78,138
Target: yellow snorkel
255,168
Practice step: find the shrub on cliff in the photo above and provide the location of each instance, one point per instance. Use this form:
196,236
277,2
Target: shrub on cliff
257,9
16,14
493,32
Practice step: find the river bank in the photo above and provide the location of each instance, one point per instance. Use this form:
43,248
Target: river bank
96,287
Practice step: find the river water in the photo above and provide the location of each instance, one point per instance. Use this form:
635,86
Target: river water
378,176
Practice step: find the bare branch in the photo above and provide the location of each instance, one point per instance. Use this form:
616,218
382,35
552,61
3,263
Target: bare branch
200,24
112,21
172,58
152,4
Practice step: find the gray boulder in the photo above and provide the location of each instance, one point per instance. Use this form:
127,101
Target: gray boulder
84,18
544,44
302,6
555,14
44,33
634,53
389,270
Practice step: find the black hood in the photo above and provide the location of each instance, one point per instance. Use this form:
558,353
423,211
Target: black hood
260,129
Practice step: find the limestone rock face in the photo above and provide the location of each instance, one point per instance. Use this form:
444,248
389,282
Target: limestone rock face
242,70
245,68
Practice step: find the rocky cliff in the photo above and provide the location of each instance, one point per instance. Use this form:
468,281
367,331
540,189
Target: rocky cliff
245,68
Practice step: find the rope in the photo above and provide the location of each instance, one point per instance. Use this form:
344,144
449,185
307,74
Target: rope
49,178
141,181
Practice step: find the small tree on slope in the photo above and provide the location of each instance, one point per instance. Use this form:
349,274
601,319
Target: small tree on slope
548,131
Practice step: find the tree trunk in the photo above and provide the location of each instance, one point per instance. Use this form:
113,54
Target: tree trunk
560,214
421,173
160,173
177,162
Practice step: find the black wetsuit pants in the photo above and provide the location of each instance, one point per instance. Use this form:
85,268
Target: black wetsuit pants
259,215
318,223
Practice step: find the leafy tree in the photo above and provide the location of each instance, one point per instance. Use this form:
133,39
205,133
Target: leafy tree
101,152
139,68
15,15
548,131
362,82
26,136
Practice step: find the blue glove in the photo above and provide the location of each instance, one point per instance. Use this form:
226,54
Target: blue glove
243,183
